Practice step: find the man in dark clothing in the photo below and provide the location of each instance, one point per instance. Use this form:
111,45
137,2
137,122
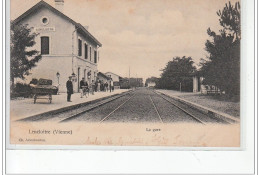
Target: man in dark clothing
102,86
86,89
96,85
69,86
81,84
93,86
110,86
83,88
106,87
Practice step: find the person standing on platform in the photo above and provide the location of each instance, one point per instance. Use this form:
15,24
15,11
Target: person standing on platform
93,86
102,86
106,87
69,86
112,85
98,85
81,83
110,88
85,89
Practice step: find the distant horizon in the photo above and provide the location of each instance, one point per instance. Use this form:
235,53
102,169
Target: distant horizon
140,35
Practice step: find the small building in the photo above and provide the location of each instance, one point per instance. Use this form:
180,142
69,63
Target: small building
114,76
204,89
197,83
67,47
151,84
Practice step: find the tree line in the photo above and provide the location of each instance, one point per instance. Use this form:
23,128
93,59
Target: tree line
221,68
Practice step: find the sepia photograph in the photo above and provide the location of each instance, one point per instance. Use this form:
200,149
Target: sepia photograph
160,73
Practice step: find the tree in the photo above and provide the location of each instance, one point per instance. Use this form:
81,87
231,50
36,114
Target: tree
135,82
22,59
222,69
177,74
230,19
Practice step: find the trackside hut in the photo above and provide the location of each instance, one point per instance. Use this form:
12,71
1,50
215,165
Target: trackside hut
198,85
151,84
66,46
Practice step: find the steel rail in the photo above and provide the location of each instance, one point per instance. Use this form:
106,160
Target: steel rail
194,117
156,109
116,109
91,108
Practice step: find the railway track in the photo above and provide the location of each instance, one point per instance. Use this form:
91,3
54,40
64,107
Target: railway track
185,111
116,109
99,104
156,109
73,117
192,112
66,115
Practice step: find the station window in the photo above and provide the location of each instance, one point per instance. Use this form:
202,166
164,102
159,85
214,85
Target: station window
45,45
79,47
90,53
86,51
45,20
95,56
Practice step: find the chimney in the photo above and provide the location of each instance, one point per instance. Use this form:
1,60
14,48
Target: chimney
59,5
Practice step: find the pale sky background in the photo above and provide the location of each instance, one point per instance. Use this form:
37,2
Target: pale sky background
141,34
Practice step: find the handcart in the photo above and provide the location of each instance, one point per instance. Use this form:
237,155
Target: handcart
44,90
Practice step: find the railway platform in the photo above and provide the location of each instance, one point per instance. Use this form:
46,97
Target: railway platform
22,108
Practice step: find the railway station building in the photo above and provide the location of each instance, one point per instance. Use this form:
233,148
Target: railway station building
67,47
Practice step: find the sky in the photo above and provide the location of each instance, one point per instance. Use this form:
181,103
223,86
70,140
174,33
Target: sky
142,35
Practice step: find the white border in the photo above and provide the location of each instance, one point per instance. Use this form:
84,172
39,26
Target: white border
2,87
188,162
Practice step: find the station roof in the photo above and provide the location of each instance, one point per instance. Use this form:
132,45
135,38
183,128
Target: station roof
103,75
48,6
114,74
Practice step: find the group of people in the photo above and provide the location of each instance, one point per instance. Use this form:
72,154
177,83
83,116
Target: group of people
85,89
101,86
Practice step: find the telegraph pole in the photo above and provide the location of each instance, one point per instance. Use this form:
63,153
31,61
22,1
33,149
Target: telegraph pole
129,76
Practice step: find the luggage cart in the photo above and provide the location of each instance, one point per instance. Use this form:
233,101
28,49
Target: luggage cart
42,96
44,90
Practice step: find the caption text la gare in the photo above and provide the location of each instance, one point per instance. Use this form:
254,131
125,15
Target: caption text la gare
153,129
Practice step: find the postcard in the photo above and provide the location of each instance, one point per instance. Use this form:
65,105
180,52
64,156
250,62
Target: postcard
160,73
